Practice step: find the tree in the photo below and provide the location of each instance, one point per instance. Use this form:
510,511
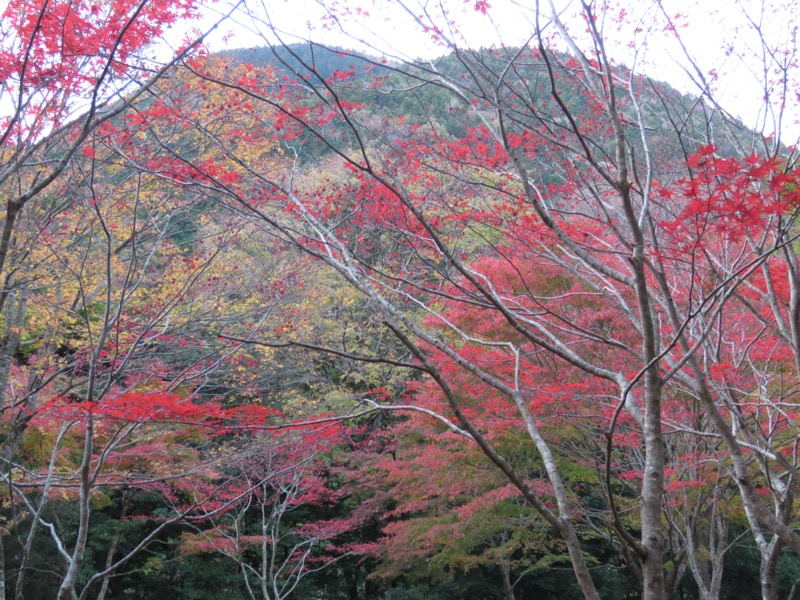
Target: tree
624,265
107,309
271,550
447,514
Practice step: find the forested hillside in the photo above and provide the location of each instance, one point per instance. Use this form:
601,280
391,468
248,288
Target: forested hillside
301,321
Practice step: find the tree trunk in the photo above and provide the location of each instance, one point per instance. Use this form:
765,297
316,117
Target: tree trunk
508,588
113,548
652,493
67,589
15,319
769,563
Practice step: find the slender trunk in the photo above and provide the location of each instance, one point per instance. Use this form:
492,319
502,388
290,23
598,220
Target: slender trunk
15,319
771,552
717,543
268,539
652,494
675,574
12,212
508,588
654,586
697,567
769,563
113,548
67,589
23,566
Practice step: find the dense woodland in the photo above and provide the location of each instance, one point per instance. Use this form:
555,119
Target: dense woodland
299,321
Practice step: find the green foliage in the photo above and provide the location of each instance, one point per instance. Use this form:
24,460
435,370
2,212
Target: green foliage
473,587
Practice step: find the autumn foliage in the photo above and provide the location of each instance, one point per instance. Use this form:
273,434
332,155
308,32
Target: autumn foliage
521,321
